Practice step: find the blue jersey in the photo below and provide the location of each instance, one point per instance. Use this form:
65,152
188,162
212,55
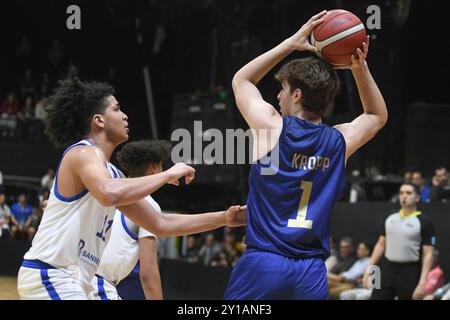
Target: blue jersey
288,212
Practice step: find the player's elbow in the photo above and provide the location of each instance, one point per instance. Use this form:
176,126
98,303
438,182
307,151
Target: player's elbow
158,227
109,197
235,84
146,276
383,118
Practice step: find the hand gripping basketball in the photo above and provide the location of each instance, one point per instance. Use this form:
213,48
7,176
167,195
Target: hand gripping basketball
300,40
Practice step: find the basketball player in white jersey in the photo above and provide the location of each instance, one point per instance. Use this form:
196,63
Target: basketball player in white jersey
76,224
130,243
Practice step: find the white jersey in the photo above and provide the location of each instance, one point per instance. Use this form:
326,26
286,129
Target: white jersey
74,231
122,252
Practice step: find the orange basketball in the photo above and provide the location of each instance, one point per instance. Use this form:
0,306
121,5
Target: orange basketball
338,37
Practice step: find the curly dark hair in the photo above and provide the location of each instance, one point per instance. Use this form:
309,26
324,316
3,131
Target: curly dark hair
317,80
136,156
71,108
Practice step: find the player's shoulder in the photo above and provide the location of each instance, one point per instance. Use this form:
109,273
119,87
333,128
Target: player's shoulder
84,152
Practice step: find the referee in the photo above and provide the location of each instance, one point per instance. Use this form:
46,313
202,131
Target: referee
407,245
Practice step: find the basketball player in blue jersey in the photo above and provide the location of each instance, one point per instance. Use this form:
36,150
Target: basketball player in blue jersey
76,223
288,233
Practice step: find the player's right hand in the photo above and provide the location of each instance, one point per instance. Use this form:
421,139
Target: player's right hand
181,170
300,40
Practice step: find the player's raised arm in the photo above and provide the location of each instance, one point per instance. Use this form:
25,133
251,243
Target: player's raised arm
258,113
363,128
171,225
88,163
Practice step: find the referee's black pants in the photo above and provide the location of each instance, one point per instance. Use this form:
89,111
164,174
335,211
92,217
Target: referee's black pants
397,280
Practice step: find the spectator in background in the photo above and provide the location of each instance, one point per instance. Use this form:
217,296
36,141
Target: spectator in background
209,250
45,85
27,86
40,114
436,278
419,180
346,257
10,104
333,258
45,194
191,254
25,121
40,111
230,253
21,218
440,189
48,180
240,246
28,108
220,260
442,293
351,278
8,120
5,217
36,220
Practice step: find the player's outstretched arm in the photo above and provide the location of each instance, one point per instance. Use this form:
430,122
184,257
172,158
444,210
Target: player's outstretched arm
171,225
258,113
88,163
363,128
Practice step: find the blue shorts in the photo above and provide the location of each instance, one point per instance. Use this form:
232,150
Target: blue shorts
130,288
268,276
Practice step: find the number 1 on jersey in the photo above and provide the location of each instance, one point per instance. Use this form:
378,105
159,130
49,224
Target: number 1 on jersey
301,221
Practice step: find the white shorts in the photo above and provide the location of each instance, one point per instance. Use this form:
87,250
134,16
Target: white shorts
103,290
40,281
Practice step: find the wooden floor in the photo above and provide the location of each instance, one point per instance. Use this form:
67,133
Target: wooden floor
8,288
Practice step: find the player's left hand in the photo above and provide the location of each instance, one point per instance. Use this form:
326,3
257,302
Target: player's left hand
300,40
419,293
236,216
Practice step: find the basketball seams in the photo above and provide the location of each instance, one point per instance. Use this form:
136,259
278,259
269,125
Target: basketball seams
343,54
320,27
321,45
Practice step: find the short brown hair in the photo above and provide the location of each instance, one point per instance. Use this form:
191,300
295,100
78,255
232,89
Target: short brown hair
317,80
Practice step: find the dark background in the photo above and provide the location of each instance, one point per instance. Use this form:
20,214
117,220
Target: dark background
205,42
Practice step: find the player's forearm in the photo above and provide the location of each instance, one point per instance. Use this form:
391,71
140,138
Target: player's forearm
183,224
370,95
256,69
121,192
151,284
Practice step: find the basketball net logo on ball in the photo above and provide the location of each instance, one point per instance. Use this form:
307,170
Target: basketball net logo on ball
338,37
